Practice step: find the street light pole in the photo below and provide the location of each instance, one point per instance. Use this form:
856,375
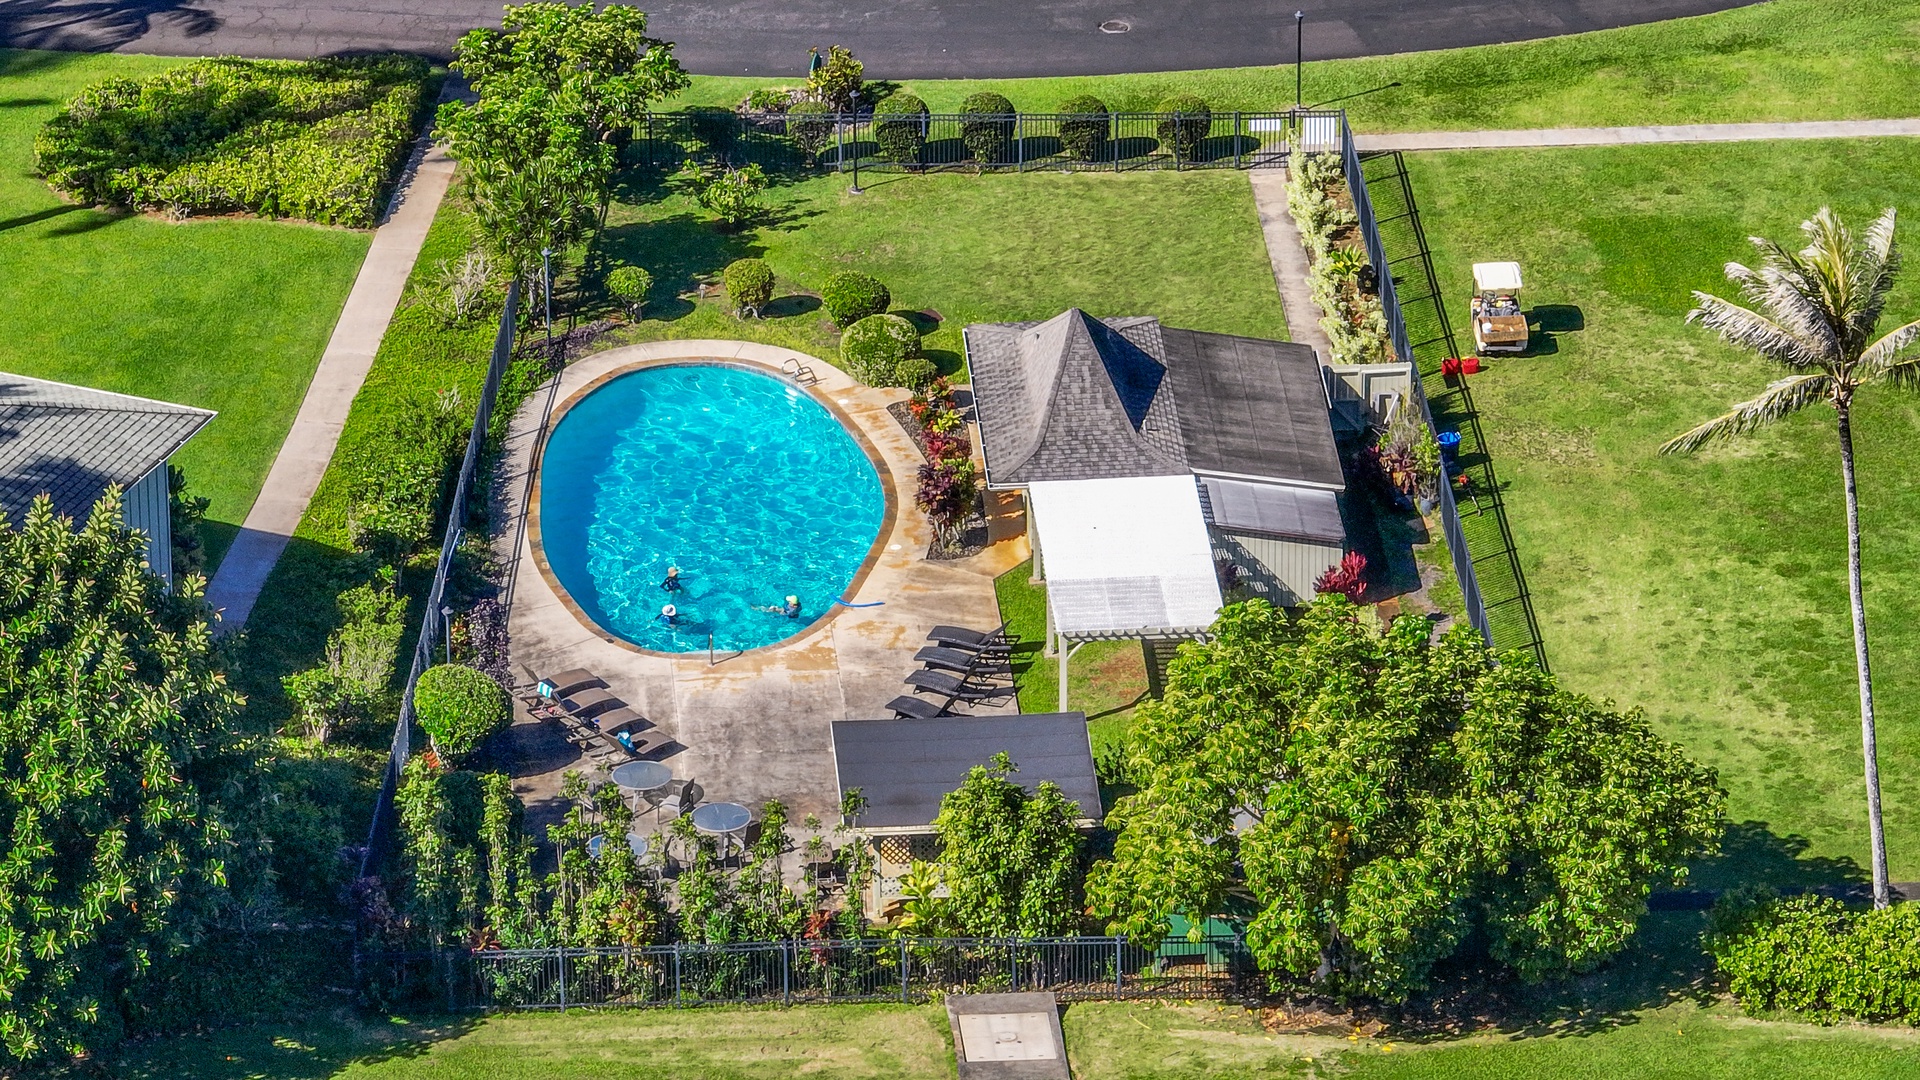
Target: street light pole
1299,21
854,96
546,294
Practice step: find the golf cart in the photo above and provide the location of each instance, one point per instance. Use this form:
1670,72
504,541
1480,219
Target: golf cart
1498,325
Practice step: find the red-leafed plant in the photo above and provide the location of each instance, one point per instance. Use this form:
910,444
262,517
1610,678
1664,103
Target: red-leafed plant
949,445
1348,577
946,496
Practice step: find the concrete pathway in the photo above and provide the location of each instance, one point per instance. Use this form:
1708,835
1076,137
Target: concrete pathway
343,367
1624,136
1289,260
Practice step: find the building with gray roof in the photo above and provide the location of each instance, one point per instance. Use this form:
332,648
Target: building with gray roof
71,442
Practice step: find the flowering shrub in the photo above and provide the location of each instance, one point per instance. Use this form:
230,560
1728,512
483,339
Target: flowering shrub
946,493
949,445
1348,577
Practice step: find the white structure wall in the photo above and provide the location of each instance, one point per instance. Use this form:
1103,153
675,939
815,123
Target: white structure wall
1278,571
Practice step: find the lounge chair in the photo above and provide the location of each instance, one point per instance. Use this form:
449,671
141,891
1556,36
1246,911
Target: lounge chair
615,719
908,707
962,661
641,743
587,704
953,686
959,637
567,683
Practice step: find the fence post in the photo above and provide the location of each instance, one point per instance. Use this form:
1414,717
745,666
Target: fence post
561,955
676,974
1119,966
1013,965
839,143
1019,142
903,971
1236,138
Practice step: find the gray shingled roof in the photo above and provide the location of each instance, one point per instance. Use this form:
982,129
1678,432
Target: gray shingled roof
905,767
70,442
1074,398
1264,404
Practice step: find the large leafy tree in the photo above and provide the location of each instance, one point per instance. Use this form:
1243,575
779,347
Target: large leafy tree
116,743
1383,795
1010,857
1815,313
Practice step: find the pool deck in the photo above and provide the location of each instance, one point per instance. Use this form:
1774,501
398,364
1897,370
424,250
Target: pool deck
753,726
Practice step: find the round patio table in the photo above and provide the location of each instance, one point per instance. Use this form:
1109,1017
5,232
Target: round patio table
642,775
721,819
594,844
638,843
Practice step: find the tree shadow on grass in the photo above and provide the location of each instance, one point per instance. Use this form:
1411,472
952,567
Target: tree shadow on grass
311,1050
681,252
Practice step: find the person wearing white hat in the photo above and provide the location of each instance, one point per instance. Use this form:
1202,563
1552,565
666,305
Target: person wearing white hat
670,615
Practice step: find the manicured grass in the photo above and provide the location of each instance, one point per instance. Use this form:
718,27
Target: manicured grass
1106,679
966,249
1783,60
227,314
1105,1041
1711,590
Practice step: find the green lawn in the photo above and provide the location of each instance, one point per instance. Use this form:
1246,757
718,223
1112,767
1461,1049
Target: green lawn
1105,1041
1105,680
966,249
230,315
1709,591
1782,60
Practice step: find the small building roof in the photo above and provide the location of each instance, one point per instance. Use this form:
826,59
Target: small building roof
70,442
1290,513
1496,276
1253,408
905,767
1124,556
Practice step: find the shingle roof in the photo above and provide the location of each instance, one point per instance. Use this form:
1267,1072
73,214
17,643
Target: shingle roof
71,442
905,767
1253,407
1074,398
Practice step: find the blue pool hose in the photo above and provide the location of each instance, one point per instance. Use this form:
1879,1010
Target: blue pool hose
876,603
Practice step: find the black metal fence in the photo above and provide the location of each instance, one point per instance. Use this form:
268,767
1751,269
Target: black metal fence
805,972
433,623
1017,142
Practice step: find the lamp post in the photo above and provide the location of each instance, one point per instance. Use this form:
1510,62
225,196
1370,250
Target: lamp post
854,96
1299,21
546,294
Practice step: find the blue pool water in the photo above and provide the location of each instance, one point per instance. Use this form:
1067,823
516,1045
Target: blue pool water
748,485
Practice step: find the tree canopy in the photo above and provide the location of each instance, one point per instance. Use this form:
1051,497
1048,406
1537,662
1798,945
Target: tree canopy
116,738
1386,795
1011,858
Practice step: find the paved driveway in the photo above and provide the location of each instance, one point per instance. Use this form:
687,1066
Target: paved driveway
900,40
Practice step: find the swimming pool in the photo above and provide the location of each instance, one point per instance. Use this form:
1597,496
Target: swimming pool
745,483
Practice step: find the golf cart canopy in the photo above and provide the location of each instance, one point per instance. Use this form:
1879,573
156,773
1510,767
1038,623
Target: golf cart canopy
1498,277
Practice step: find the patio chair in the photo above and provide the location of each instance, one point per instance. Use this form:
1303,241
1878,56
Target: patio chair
614,719
959,637
953,686
642,743
587,704
678,796
908,707
566,683
962,661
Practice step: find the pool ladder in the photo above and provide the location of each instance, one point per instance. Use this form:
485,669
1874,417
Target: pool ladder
802,373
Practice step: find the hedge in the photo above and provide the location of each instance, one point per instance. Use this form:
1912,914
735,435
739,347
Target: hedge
1084,127
749,284
461,707
1815,957
900,127
314,139
884,350
850,296
988,127
1188,123
810,125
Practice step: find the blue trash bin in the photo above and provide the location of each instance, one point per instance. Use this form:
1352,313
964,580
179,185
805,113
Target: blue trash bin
1449,445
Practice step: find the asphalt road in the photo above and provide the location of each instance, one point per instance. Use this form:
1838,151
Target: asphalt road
904,40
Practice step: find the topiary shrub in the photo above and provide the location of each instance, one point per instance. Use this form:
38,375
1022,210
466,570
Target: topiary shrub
851,296
1085,123
988,127
749,285
884,350
1183,131
810,126
460,707
900,127
629,285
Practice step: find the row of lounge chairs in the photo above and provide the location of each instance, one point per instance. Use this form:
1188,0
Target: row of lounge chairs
958,666
594,718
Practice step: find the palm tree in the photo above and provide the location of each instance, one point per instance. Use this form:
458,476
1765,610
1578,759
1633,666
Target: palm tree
1814,314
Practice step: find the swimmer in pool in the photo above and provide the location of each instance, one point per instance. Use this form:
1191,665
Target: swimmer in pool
670,616
791,610
672,581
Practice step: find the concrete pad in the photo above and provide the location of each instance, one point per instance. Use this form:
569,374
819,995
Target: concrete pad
1289,260
1007,1037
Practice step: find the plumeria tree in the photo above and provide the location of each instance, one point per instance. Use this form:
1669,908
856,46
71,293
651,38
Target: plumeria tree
1816,313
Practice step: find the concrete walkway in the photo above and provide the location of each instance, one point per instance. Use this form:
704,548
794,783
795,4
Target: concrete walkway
1289,260
343,367
1624,136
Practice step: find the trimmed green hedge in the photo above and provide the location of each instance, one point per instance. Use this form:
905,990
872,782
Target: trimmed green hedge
1189,123
900,127
850,296
313,139
884,350
461,707
1085,127
988,127
749,284
1815,957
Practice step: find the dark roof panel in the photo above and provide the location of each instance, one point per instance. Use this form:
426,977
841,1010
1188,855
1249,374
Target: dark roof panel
70,442
1252,407
905,767
1291,513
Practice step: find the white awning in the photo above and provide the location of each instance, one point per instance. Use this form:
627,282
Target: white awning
1127,556
1502,277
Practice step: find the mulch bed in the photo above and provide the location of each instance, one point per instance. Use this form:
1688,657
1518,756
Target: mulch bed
973,539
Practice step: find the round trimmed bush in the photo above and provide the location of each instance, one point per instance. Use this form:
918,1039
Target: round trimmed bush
749,285
850,296
1183,132
629,285
460,707
810,126
988,126
900,127
884,350
1085,123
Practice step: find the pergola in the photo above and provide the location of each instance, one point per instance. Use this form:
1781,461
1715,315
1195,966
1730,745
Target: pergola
1124,558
